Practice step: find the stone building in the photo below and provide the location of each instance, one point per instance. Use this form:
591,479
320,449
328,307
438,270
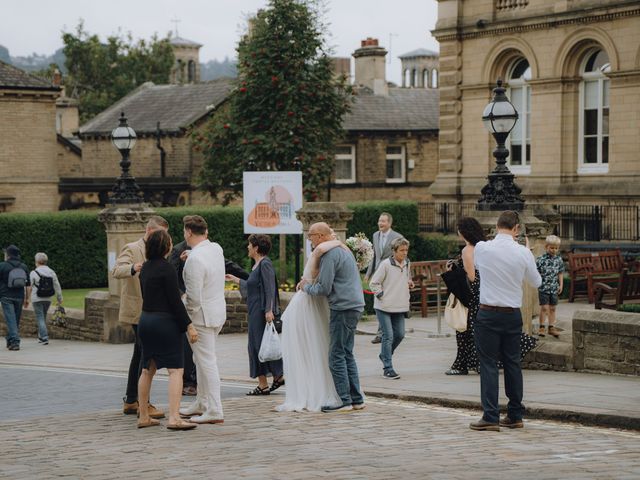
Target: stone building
390,148
572,68
28,160
420,68
163,160
187,61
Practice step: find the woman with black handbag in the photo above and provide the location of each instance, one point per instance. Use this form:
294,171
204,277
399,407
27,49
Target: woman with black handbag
260,291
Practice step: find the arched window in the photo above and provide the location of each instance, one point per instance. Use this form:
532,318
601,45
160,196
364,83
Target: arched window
520,137
434,78
192,71
406,79
425,78
593,146
414,78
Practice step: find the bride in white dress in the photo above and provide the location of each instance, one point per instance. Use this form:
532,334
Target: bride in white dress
305,345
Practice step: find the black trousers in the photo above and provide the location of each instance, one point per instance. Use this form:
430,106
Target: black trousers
189,378
135,369
497,337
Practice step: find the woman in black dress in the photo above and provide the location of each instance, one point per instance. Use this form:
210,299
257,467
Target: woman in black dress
471,232
163,321
260,291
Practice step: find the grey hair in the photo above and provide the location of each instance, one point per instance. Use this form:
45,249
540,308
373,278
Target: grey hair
41,258
399,242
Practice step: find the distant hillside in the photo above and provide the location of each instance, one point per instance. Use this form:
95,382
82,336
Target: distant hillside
214,69
208,71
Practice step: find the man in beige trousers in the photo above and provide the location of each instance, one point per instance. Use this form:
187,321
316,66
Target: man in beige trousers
127,268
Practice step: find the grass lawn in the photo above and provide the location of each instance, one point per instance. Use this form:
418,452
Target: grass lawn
74,298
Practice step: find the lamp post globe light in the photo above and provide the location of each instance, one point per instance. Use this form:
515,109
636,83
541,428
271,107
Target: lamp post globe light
501,192
126,190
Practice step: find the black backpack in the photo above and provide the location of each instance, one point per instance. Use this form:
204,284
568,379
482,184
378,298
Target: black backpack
45,286
17,277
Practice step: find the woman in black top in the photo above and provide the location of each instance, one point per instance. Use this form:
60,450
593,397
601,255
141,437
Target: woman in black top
163,321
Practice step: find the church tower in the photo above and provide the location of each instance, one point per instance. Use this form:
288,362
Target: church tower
187,62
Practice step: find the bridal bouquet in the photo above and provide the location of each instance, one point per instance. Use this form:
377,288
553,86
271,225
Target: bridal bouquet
362,249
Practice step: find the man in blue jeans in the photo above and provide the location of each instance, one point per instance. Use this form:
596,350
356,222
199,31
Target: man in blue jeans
503,265
14,279
339,280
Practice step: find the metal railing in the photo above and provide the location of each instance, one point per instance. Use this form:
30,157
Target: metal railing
577,222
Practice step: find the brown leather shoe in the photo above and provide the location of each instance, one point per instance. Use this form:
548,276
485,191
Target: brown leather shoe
482,424
130,408
553,331
155,412
507,422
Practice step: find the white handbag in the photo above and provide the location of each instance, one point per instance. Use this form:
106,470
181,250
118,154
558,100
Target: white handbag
455,314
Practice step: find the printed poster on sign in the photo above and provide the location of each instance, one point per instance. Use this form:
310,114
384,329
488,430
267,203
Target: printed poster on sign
270,202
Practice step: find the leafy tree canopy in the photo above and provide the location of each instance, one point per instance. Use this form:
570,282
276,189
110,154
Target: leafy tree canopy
288,104
100,73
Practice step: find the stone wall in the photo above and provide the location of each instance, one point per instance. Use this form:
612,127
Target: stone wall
606,342
99,321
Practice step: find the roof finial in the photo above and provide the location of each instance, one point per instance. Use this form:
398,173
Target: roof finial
176,21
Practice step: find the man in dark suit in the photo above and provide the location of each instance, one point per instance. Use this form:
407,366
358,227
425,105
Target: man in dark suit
382,240
177,258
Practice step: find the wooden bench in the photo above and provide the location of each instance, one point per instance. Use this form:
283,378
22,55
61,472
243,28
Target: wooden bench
425,278
586,269
628,289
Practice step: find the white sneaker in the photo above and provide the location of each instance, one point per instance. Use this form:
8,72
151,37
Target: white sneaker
193,409
206,418
358,406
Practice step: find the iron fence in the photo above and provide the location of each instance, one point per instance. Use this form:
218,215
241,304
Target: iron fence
577,222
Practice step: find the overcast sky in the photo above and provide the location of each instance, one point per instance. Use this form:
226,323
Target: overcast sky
28,26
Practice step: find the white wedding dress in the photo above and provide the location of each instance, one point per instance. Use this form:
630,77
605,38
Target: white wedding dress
305,353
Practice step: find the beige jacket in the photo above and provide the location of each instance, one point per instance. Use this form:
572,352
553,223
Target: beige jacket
131,293
390,284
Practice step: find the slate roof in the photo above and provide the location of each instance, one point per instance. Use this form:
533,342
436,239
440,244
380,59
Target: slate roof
13,77
420,52
183,42
174,106
403,109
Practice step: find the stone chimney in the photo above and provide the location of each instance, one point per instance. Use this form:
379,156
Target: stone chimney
370,66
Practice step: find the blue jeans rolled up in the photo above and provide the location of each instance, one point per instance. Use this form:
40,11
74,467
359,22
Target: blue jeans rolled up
392,328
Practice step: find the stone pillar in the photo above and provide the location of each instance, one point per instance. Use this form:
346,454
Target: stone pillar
536,229
124,224
336,214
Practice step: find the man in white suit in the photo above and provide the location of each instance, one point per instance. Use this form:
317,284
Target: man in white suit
382,240
204,282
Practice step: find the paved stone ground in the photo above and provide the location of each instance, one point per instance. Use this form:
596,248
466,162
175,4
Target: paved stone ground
390,439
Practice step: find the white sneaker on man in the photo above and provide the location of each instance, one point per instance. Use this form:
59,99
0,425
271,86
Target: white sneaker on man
193,409
206,418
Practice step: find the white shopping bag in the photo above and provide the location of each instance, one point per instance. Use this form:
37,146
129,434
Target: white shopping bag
270,348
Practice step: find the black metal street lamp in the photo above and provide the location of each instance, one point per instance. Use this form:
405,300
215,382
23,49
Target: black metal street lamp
501,193
126,190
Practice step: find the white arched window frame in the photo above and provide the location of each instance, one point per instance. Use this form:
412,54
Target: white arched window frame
593,121
425,78
434,78
519,140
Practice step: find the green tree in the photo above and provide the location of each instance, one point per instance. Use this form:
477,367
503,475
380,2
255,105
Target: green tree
102,73
288,104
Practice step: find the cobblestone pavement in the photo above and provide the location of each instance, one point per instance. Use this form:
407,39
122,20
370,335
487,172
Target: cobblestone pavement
389,439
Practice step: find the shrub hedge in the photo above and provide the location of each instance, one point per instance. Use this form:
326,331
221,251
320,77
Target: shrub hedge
76,243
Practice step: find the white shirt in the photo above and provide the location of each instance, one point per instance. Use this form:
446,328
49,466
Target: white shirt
503,265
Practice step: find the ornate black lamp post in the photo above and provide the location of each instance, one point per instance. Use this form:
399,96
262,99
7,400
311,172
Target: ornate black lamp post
501,193
126,190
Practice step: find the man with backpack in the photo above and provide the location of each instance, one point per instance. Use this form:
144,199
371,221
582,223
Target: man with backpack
44,285
14,280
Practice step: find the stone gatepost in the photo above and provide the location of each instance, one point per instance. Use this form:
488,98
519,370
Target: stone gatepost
536,229
336,214
124,224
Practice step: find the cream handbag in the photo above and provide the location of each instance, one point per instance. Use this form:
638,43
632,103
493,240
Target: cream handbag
455,314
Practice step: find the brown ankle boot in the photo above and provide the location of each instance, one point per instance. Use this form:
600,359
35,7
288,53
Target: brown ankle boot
553,331
130,408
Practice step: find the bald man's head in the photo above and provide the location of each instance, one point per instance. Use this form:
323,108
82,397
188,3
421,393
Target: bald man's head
318,233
